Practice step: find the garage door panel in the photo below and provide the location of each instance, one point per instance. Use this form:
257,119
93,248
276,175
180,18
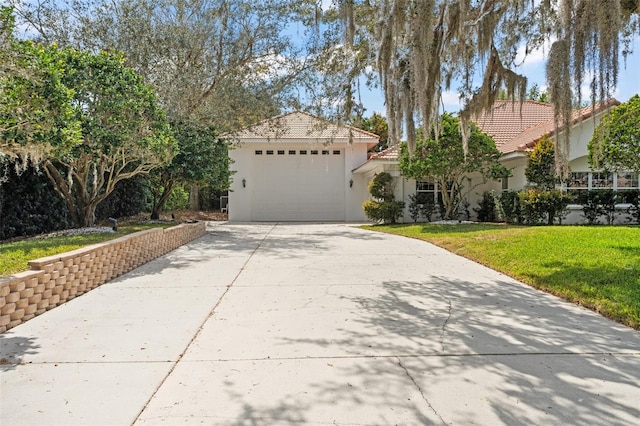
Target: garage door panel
298,187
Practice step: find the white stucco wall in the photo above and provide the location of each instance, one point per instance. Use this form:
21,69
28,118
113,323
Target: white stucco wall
240,207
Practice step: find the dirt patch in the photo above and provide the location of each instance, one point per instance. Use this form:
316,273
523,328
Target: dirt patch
179,216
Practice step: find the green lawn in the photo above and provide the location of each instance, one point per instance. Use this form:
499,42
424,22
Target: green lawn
595,266
14,256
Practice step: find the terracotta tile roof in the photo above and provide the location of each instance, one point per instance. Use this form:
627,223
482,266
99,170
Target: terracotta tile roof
391,153
508,119
515,129
527,139
302,125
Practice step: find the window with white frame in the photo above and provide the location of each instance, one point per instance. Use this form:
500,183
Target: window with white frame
627,180
426,189
584,181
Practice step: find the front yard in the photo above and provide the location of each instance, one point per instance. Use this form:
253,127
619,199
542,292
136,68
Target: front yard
594,266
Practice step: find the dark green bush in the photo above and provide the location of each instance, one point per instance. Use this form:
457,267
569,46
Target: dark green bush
129,198
28,203
509,207
591,208
633,197
383,207
486,209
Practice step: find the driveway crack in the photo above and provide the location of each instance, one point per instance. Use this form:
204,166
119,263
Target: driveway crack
444,325
424,397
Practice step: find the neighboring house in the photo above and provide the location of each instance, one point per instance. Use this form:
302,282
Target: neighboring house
297,167
516,128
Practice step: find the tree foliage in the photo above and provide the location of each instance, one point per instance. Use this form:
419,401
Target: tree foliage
540,169
423,46
615,144
383,206
440,158
228,63
377,125
202,159
36,111
124,132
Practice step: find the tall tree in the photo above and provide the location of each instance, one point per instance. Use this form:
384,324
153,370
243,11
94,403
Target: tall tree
440,158
540,169
377,125
124,132
616,141
425,45
227,63
202,159
36,112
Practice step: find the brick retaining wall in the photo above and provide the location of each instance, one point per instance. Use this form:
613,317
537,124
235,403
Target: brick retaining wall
57,279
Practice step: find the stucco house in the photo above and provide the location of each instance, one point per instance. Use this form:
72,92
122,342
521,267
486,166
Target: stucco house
297,167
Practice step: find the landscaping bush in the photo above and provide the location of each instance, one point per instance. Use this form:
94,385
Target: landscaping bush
633,197
130,197
591,208
414,207
427,206
383,207
533,206
28,204
509,207
486,209
608,198
544,206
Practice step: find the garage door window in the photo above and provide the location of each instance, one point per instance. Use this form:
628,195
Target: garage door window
314,152
303,152
269,152
258,152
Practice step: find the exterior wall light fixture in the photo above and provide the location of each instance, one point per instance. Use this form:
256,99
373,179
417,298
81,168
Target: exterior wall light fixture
244,183
350,183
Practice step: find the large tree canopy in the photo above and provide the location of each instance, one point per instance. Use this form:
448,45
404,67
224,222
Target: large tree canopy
227,63
124,132
36,112
616,141
423,46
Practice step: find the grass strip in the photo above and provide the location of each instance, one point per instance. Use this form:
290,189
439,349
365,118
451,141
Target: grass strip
595,266
15,255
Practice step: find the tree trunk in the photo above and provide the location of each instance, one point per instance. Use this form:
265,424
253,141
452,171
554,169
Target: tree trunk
88,215
157,208
194,197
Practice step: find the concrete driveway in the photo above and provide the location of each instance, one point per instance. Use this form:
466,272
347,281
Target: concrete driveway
317,324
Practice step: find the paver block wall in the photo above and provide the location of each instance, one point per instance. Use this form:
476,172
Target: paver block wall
57,279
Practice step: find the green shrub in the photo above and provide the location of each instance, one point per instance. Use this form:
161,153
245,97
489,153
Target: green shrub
591,208
178,200
486,209
28,203
427,206
633,197
544,206
383,207
509,207
414,207
608,198
130,197
533,206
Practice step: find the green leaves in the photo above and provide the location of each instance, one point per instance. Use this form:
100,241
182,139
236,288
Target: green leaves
615,144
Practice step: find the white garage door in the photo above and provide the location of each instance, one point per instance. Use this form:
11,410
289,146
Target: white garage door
299,184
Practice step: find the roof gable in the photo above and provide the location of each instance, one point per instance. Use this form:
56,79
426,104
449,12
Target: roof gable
302,126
